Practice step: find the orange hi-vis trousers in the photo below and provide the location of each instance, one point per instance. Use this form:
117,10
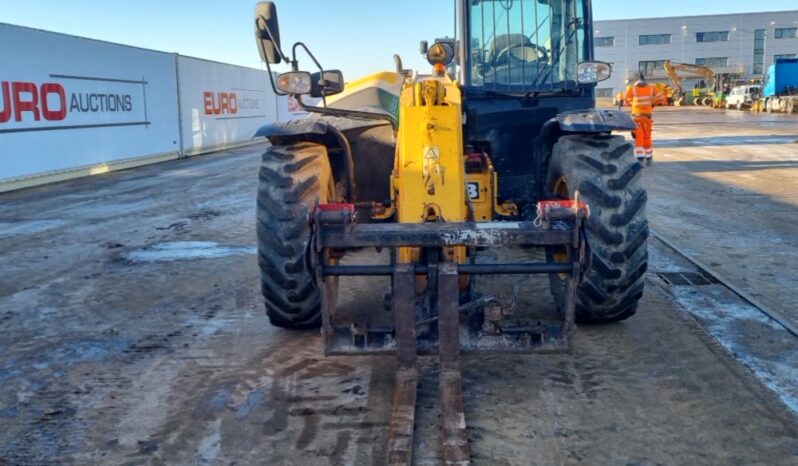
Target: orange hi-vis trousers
644,145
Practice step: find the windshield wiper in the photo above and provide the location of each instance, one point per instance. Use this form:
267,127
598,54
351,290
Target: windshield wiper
556,59
507,95
521,95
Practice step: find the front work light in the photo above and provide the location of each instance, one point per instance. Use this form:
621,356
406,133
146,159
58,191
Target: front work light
591,72
295,82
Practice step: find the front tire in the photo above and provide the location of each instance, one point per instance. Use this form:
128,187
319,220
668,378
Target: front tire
605,172
293,180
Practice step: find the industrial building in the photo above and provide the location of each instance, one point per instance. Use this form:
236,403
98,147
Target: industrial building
740,45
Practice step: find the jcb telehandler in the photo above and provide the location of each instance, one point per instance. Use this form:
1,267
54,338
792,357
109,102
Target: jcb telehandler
437,168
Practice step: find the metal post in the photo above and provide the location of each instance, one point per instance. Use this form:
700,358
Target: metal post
179,108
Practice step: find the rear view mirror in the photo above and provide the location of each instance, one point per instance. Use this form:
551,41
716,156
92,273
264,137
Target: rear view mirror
267,32
327,83
423,46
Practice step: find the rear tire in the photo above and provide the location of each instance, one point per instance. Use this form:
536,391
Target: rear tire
605,172
293,180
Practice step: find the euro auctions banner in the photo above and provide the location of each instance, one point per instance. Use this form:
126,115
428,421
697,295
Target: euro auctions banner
222,105
68,102
72,102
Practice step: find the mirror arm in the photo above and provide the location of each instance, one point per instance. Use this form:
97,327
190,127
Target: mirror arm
310,54
315,61
271,80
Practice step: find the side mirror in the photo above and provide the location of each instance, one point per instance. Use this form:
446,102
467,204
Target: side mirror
423,46
267,32
327,83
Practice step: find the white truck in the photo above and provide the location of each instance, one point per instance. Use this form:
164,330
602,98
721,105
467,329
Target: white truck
742,97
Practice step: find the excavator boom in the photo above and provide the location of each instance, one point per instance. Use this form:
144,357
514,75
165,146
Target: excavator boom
673,70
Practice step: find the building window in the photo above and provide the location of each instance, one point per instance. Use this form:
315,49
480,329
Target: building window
604,92
716,36
604,41
781,57
655,39
759,51
714,62
785,33
649,67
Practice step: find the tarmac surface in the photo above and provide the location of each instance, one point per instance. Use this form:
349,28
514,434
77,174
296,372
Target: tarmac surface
132,330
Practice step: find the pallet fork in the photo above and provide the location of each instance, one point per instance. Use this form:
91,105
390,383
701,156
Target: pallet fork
454,321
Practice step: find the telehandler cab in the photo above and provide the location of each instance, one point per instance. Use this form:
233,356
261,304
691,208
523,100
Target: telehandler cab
437,168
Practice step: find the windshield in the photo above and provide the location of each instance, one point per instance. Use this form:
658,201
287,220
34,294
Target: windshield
525,45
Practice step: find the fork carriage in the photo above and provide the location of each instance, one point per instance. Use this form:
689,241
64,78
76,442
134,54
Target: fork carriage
440,318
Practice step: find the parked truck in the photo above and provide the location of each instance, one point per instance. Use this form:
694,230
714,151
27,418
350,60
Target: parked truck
780,93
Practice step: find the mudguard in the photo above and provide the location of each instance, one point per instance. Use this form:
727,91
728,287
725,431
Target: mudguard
594,121
313,126
293,128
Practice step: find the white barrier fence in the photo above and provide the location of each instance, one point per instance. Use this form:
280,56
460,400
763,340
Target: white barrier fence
70,103
71,106
221,105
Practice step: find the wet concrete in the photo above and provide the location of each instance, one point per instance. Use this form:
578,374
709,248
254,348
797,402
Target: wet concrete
132,332
725,189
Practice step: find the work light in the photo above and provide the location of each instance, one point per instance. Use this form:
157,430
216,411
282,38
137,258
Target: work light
295,82
593,72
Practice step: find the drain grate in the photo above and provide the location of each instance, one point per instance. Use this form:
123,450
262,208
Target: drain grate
687,279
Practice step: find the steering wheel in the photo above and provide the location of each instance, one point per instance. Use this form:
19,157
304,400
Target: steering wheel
528,53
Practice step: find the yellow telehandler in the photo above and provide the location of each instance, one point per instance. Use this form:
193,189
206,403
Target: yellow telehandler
497,145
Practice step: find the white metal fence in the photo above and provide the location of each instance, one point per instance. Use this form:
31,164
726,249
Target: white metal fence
221,105
71,106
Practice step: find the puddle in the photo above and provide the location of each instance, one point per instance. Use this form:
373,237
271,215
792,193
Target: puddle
185,250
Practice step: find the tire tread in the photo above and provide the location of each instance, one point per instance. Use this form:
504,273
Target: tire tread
290,184
617,230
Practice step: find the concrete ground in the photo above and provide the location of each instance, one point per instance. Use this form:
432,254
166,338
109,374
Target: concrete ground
132,331
725,189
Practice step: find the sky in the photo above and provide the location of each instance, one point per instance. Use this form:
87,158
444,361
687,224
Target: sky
356,36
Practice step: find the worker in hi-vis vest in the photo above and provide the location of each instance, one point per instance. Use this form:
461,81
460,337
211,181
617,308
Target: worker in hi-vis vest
642,97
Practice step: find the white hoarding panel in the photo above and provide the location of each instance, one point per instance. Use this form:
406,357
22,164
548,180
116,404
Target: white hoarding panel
288,108
221,105
69,103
